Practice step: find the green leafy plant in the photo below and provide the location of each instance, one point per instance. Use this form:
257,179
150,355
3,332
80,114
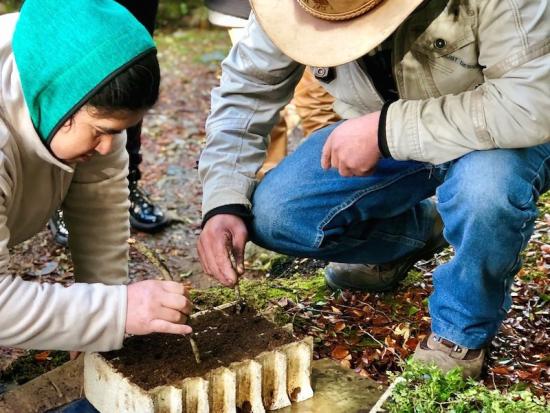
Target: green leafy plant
425,389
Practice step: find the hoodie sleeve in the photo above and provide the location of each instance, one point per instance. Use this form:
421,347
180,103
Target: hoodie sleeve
83,317
97,217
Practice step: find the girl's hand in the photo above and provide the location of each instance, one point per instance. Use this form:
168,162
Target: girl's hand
158,307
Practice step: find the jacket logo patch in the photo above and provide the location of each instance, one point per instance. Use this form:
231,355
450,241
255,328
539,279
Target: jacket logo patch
461,62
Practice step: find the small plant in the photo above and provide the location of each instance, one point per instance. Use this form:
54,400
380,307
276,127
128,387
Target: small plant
425,389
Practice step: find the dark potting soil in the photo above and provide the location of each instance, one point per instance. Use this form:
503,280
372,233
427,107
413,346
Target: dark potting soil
222,338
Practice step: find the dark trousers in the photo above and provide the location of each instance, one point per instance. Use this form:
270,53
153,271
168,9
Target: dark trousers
146,12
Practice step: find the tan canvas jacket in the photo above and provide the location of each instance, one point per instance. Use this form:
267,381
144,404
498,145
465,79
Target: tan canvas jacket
94,197
475,80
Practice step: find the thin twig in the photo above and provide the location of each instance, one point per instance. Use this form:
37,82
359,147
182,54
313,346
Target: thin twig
394,317
56,388
316,310
152,257
158,263
195,349
239,306
384,346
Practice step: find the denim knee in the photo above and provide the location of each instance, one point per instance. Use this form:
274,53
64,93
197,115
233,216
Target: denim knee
277,224
486,202
487,188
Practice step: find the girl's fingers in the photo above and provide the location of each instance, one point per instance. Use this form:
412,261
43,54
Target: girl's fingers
177,302
163,326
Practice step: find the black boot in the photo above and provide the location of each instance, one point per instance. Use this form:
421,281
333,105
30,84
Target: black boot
144,215
57,226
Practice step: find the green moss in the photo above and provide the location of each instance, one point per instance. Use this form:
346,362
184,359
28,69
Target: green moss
260,293
273,264
544,204
28,367
414,277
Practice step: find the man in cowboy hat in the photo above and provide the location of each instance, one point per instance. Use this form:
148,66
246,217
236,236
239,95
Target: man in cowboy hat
445,98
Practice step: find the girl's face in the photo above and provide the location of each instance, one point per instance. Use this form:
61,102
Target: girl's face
88,132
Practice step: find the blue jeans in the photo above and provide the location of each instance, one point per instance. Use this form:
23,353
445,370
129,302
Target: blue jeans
487,200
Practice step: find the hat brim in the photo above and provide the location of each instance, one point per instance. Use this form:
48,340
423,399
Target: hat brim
317,42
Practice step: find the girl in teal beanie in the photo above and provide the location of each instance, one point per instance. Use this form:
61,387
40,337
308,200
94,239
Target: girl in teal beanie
72,80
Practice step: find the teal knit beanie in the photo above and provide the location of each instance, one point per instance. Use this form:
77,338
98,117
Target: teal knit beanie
66,50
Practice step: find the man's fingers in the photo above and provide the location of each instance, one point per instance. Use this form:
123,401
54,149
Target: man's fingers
334,159
368,172
225,266
343,170
203,256
238,244
210,265
223,239
163,326
215,261
326,154
221,264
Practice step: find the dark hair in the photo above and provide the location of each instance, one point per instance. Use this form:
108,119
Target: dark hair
134,88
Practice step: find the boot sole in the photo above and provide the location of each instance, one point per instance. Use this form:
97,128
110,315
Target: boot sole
61,240
149,228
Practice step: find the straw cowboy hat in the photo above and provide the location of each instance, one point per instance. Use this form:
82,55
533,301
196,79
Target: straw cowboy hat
330,32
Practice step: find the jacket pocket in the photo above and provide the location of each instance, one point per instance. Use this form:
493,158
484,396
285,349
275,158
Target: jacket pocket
448,56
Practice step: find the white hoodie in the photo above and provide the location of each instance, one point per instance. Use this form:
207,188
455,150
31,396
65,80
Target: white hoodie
94,198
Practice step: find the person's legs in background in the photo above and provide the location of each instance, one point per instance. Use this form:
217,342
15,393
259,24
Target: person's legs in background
314,107
144,214
278,145
314,104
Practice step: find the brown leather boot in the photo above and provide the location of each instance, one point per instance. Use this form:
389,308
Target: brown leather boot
384,277
447,355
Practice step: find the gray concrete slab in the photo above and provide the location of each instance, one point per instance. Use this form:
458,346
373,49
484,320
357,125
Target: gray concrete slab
338,390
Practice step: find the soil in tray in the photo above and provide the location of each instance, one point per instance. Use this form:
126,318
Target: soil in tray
222,338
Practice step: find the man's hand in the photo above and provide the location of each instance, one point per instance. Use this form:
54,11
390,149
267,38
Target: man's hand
352,147
158,307
222,238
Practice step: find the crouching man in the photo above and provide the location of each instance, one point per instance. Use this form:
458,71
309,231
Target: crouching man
445,98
